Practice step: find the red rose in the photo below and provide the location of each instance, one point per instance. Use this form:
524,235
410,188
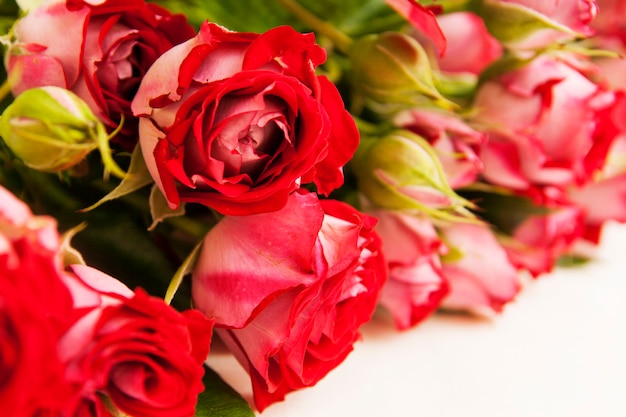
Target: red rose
35,310
141,353
70,338
99,51
289,303
238,121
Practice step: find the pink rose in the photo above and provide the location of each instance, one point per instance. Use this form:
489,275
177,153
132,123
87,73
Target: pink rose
290,289
415,286
601,201
99,50
477,268
610,18
549,126
604,199
133,348
238,121
541,239
470,47
456,143
35,310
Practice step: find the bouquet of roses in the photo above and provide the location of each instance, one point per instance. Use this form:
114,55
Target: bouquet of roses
273,174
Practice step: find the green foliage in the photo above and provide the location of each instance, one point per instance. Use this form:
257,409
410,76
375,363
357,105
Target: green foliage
243,15
354,17
505,211
219,399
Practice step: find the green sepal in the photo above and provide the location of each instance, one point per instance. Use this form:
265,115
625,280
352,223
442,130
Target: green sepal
136,178
185,268
69,254
510,22
160,208
385,165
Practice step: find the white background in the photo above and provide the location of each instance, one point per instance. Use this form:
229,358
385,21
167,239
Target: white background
558,350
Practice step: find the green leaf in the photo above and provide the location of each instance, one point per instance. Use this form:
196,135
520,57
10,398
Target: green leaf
137,177
160,209
246,15
219,399
69,254
116,242
351,16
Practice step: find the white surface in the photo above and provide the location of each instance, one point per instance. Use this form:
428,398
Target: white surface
558,350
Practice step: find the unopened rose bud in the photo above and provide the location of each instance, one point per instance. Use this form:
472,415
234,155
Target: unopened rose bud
51,129
401,171
393,71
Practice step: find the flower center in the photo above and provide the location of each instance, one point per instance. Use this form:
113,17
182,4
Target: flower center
248,135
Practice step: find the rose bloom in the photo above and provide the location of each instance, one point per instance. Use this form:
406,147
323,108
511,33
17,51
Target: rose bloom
68,338
470,47
415,286
456,143
35,310
238,121
141,353
480,275
289,303
540,240
549,126
98,49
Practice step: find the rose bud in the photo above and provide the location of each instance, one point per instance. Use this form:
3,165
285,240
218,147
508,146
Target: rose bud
454,141
238,121
51,129
392,71
401,171
290,289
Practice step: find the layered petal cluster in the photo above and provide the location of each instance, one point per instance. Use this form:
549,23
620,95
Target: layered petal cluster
550,127
289,303
238,121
